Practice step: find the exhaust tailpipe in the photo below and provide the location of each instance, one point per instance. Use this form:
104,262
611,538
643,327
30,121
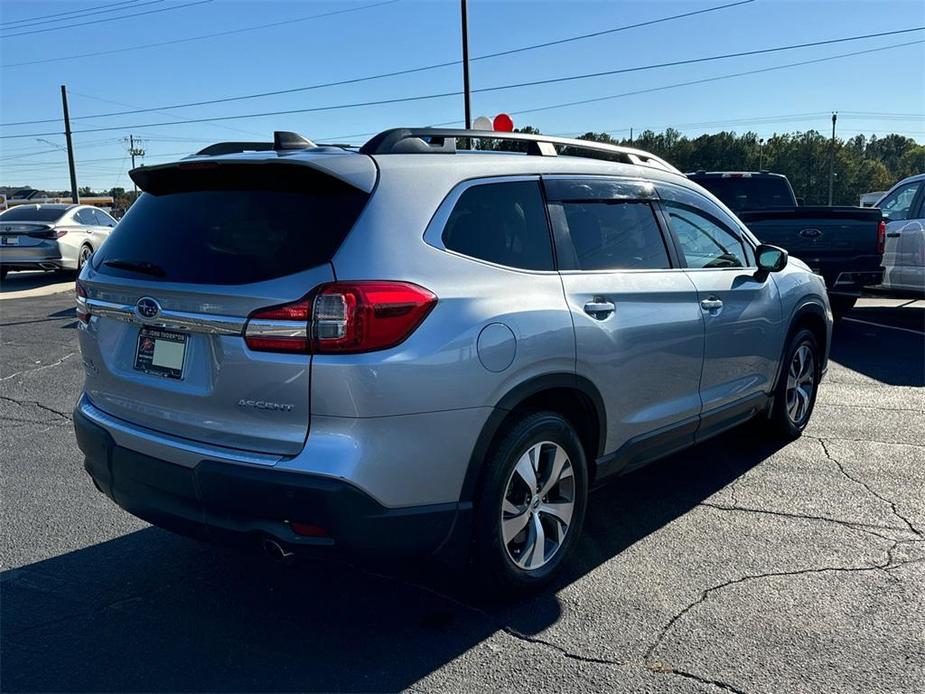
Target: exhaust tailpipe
48,266
277,552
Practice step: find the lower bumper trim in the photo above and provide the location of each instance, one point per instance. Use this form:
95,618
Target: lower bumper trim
217,500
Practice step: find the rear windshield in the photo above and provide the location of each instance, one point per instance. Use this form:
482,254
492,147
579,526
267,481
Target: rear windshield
231,224
32,213
749,193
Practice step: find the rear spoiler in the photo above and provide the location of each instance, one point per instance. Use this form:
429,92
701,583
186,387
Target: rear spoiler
356,170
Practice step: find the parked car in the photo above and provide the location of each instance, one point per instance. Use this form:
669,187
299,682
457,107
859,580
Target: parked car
51,237
413,351
843,244
903,208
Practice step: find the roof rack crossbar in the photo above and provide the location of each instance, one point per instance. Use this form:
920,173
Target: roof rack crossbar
282,140
443,140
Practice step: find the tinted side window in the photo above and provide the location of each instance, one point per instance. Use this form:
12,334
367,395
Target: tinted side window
86,217
898,204
103,219
503,223
704,242
618,235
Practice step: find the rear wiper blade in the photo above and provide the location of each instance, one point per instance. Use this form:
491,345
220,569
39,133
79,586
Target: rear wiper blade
139,266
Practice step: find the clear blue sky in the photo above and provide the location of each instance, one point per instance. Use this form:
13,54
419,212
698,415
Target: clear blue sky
408,33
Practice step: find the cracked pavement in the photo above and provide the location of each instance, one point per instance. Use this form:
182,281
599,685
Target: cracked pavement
742,565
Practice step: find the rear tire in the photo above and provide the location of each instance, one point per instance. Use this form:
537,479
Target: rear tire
795,396
841,305
531,503
83,256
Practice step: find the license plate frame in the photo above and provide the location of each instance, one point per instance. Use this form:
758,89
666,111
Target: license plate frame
9,240
161,352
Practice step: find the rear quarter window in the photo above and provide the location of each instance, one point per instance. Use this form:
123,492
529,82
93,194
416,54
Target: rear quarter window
233,225
502,223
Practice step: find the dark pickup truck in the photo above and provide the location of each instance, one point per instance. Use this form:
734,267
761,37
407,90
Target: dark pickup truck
843,244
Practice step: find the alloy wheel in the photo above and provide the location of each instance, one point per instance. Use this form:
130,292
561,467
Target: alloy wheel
538,504
800,384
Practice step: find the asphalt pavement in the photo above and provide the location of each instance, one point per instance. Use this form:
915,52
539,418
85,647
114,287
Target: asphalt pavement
742,565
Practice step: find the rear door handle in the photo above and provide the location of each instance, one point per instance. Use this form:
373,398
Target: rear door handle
711,304
893,235
599,309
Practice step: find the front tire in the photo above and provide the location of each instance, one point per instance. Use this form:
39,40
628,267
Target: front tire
531,504
795,396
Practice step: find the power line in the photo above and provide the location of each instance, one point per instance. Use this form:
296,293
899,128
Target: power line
706,80
86,14
408,71
61,14
106,19
197,38
440,95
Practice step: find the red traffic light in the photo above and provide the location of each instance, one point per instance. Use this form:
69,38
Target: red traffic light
503,123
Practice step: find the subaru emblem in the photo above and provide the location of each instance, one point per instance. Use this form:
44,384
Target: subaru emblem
147,308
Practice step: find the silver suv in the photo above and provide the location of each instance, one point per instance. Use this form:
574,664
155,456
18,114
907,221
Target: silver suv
410,349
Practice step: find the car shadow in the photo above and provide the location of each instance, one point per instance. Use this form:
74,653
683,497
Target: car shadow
34,279
156,612
883,343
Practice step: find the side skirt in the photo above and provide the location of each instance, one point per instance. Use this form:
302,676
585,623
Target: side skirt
648,448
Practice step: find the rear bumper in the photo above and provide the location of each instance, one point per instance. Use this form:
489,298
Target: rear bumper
219,501
852,283
31,258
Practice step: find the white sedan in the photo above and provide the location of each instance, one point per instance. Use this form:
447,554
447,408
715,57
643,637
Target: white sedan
51,237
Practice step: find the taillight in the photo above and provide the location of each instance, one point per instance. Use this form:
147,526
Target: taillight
351,317
280,328
881,237
341,318
49,234
83,311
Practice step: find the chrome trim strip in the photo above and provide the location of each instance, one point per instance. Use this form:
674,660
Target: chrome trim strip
276,328
177,320
112,424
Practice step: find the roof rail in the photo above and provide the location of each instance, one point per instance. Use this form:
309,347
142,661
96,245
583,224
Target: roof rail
443,141
282,141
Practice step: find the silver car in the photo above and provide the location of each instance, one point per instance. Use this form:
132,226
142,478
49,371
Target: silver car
51,237
410,349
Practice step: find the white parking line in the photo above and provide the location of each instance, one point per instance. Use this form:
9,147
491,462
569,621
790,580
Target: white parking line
883,325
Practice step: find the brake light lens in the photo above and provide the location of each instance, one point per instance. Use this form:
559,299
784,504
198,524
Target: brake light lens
881,237
341,318
80,294
280,328
49,234
352,317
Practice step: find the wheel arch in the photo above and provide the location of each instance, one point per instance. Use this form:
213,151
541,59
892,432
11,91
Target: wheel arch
811,316
574,397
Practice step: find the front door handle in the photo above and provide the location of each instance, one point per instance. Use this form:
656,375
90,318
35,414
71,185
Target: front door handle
711,304
893,235
599,308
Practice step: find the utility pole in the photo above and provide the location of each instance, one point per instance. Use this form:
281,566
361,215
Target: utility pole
832,158
134,152
70,146
631,135
465,60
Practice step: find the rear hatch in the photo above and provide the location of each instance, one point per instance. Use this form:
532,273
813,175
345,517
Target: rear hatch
208,244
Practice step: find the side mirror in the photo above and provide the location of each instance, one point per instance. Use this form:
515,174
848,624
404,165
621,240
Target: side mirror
770,259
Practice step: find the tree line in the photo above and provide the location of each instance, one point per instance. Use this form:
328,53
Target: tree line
862,164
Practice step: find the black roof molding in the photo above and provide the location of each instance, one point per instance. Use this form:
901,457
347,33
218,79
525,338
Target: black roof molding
443,141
